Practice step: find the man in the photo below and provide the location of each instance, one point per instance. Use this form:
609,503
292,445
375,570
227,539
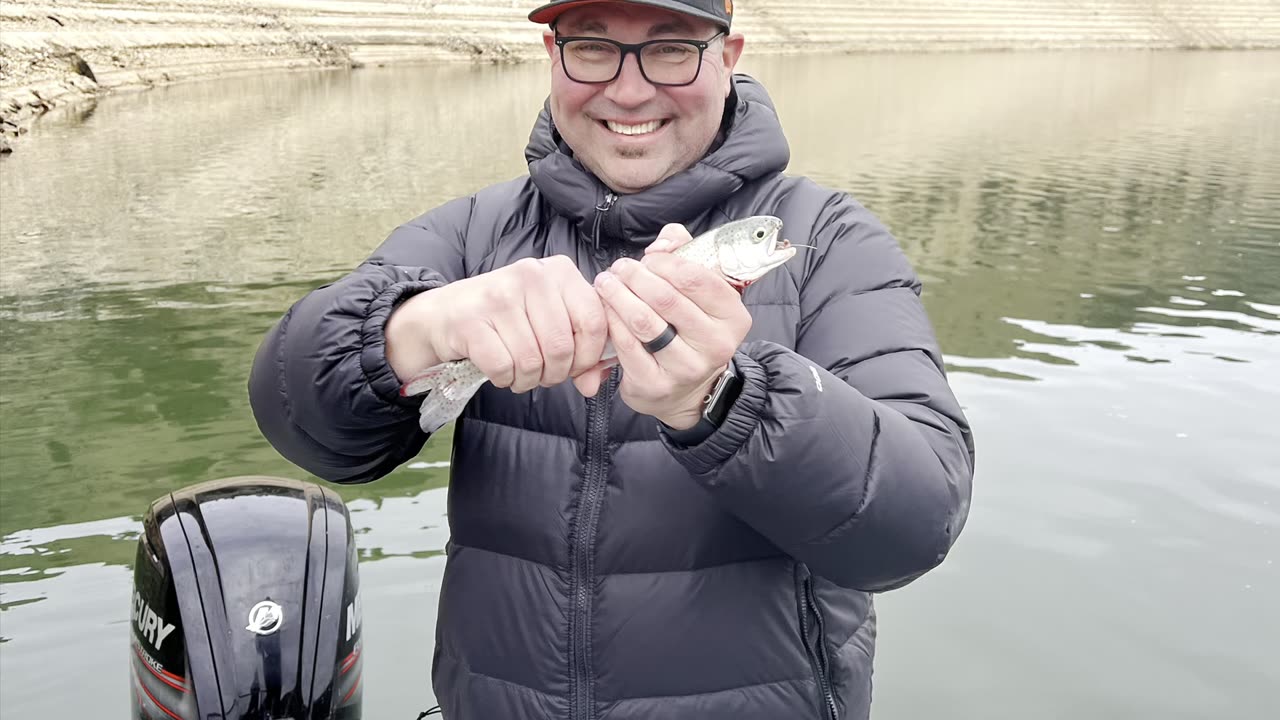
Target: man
621,547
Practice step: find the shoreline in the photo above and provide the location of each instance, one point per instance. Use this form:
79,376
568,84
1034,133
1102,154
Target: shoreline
24,103
59,53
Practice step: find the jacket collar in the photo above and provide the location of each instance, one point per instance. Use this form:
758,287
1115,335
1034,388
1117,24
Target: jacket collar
750,145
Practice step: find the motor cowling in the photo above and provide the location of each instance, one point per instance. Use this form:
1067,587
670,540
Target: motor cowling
246,605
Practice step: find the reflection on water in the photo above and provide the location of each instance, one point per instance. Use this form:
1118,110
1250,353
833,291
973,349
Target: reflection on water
1100,239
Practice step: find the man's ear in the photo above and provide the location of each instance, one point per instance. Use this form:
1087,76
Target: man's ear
549,40
733,45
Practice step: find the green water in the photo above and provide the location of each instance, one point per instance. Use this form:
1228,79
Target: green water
1100,239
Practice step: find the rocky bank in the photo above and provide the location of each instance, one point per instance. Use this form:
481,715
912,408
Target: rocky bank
54,52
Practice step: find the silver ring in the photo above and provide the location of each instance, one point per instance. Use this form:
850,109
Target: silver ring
662,340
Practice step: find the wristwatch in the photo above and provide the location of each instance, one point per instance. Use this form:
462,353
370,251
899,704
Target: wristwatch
715,408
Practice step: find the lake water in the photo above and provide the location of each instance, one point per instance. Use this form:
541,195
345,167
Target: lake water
1100,238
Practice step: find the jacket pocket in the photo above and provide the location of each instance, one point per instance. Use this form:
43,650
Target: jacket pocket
813,637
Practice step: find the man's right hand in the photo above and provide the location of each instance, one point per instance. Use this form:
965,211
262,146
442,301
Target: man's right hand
536,322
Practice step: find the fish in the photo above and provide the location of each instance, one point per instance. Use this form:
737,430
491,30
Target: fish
741,251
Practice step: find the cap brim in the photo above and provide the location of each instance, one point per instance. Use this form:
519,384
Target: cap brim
549,12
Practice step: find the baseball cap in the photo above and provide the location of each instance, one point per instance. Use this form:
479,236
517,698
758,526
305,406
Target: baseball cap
717,11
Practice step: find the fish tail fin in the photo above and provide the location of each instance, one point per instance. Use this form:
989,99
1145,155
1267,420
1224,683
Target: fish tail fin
435,412
449,386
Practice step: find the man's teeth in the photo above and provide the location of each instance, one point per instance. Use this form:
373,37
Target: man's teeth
633,129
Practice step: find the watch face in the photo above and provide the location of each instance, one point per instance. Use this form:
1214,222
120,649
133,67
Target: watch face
722,397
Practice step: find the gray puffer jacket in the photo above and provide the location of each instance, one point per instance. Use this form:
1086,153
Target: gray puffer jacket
595,568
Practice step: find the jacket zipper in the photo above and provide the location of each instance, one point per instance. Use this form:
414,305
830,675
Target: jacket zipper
816,648
582,559
581,682
601,209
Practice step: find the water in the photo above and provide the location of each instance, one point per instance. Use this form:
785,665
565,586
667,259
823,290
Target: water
1100,239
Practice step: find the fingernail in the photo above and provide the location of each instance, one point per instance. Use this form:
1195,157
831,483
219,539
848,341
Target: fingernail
659,245
605,278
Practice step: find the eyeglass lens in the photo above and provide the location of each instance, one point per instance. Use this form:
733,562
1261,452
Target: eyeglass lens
664,63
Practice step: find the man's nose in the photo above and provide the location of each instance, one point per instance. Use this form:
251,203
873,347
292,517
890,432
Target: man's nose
630,88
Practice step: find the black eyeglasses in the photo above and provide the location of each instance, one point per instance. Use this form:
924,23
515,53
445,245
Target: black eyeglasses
662,62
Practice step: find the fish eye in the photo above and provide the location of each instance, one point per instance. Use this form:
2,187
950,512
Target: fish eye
760,234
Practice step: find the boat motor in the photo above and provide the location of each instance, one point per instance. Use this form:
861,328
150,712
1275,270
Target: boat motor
246,605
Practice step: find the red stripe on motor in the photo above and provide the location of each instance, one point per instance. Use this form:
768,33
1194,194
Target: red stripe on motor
352,691
158,704
142,706
174,681
350,661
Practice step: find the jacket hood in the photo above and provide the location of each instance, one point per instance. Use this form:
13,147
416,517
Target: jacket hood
750,145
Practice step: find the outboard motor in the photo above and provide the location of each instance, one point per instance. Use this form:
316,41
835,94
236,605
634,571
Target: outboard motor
246,605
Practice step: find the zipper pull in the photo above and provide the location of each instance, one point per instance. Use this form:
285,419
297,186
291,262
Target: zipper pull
601,209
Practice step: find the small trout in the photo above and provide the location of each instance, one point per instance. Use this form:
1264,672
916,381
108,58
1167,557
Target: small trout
742,252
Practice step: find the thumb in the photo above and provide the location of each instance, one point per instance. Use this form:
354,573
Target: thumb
589,381
670,237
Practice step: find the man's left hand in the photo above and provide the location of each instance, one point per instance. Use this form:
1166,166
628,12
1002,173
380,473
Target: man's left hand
641,298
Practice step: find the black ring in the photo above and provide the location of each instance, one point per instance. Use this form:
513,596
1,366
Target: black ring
662,340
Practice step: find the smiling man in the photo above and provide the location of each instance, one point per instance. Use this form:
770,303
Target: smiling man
699,532
629,132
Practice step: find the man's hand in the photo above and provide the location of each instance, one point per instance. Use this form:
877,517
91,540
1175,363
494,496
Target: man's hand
536,322
640,298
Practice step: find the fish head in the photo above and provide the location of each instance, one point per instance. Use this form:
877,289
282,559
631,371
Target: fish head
749,248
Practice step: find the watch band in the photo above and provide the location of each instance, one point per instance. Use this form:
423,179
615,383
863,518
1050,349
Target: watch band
715,409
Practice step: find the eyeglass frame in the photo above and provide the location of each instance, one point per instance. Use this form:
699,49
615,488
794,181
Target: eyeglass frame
635,48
